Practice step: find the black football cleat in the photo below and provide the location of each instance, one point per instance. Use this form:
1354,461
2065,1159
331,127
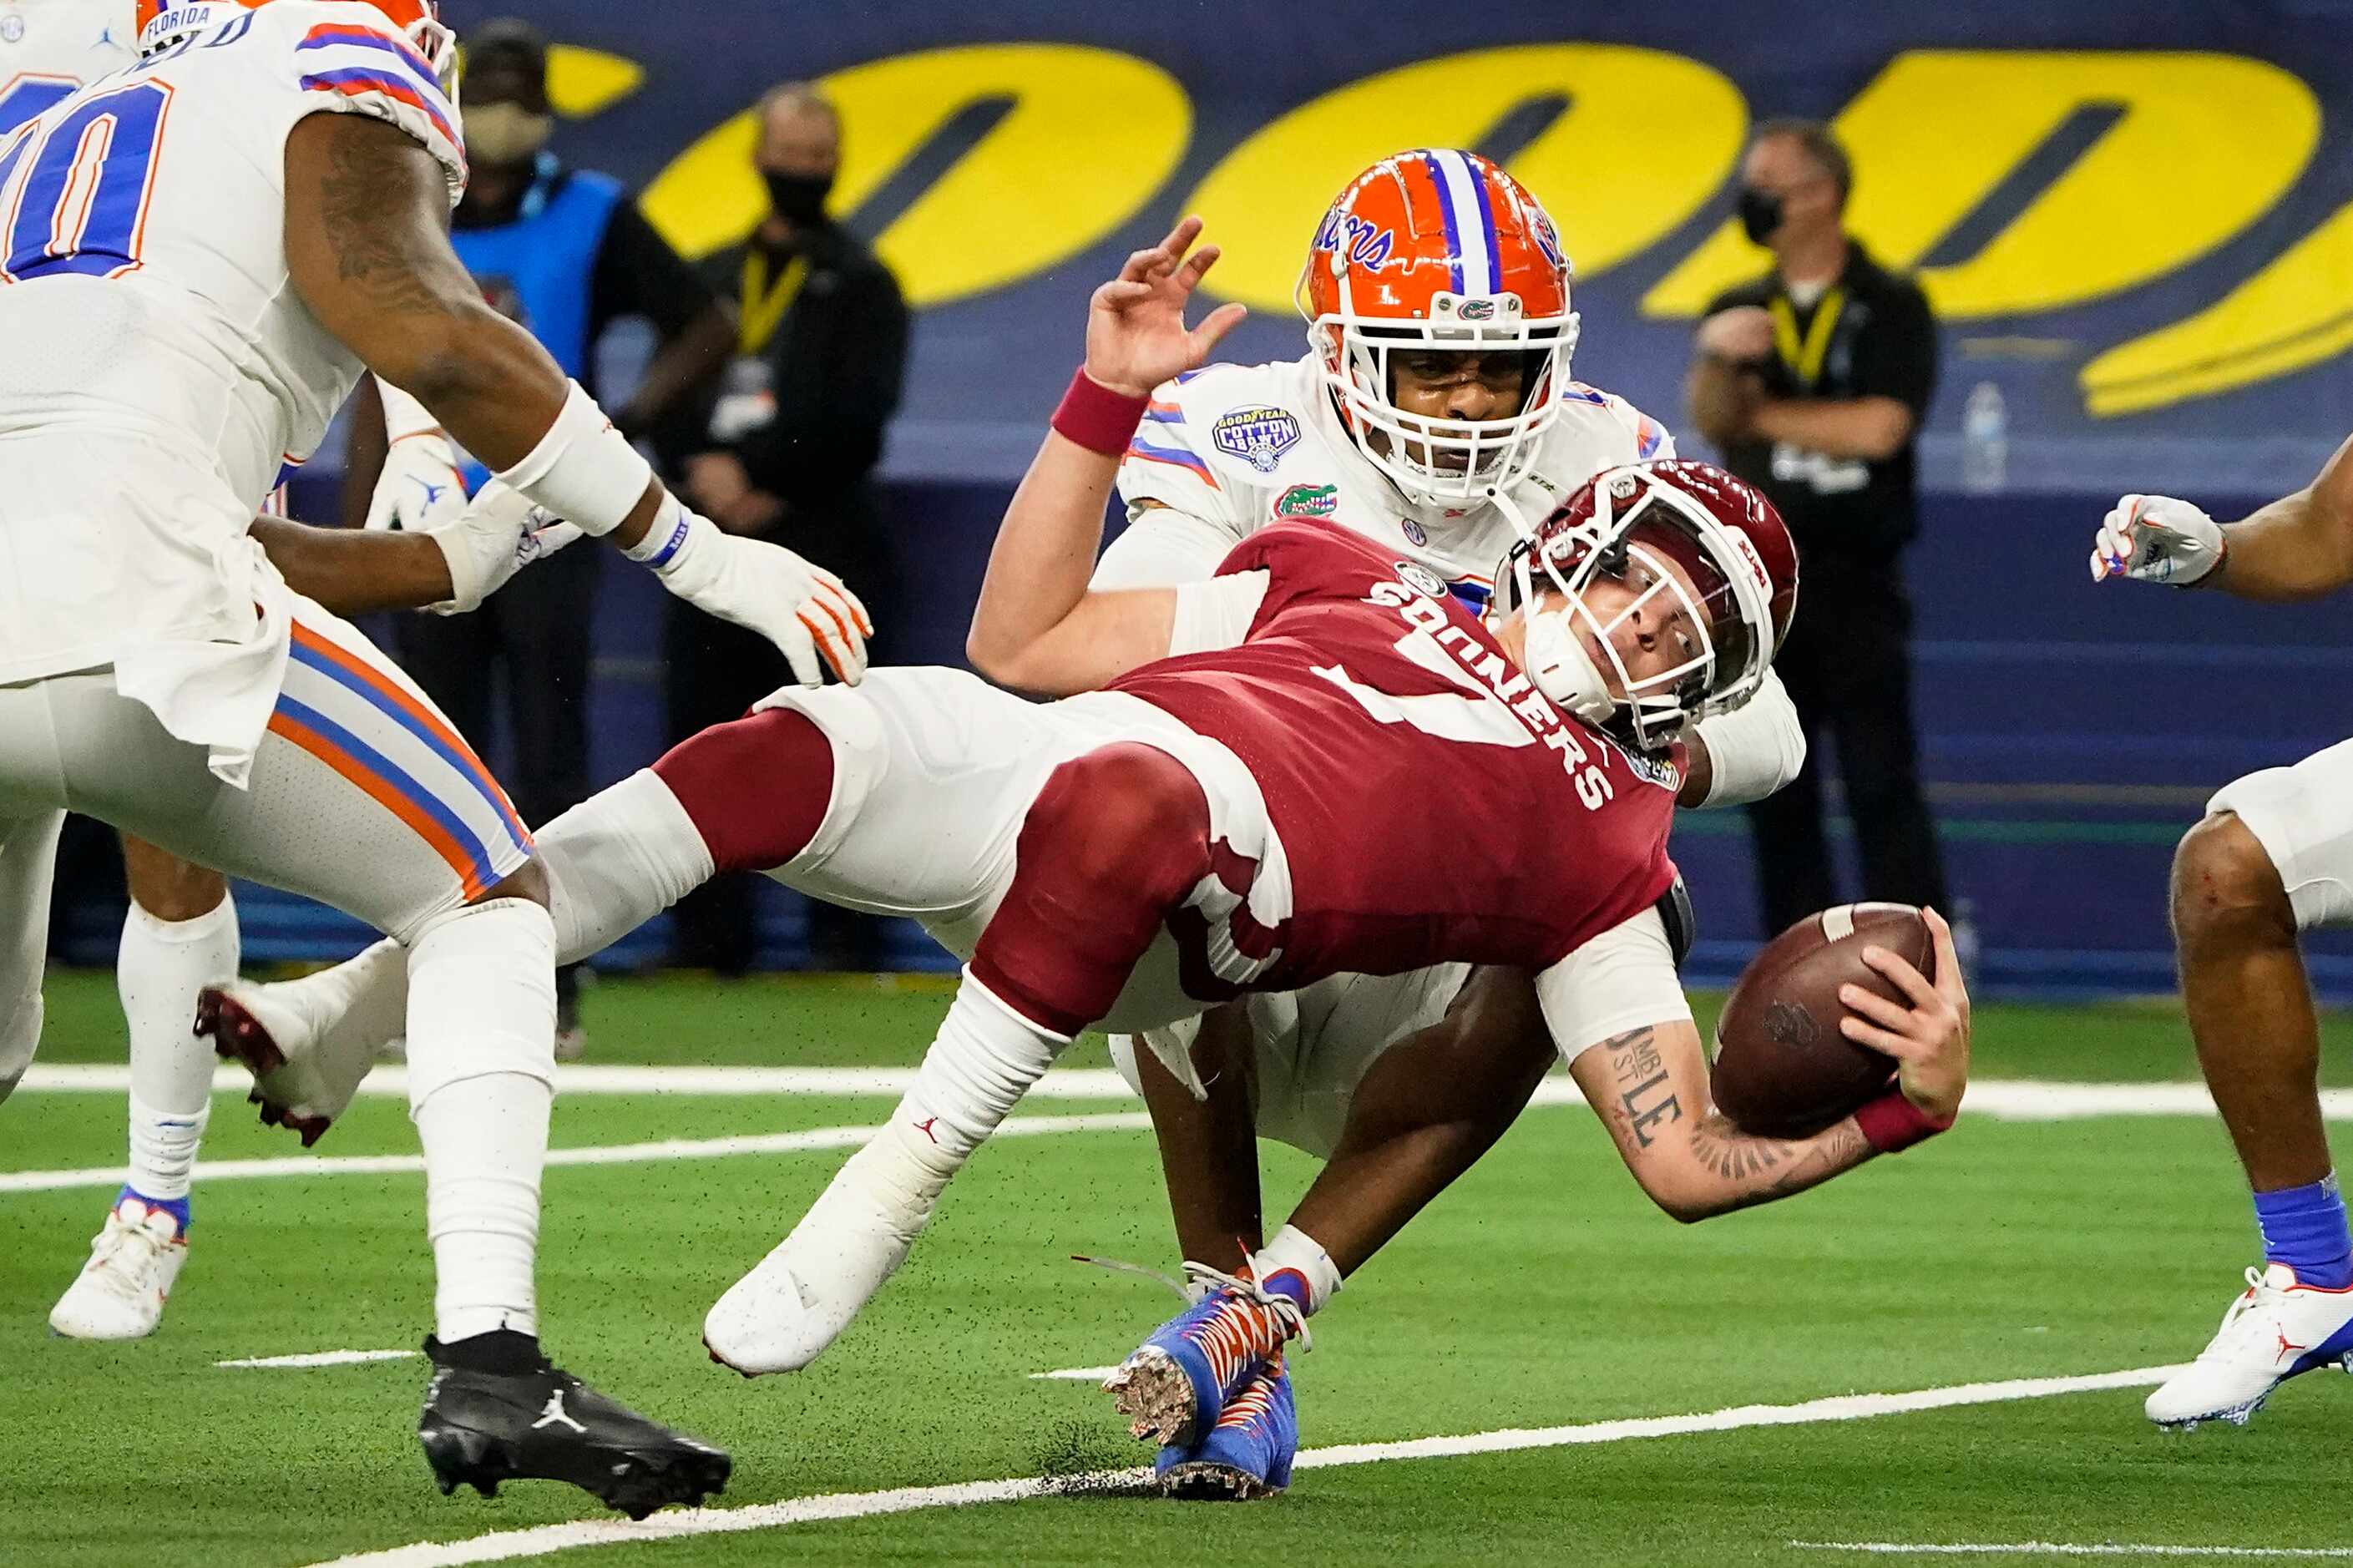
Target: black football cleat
539,1423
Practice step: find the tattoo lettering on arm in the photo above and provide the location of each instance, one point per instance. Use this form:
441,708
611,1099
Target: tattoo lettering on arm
1645,1093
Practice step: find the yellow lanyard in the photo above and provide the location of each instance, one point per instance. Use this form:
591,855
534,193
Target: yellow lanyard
1804,357
764,306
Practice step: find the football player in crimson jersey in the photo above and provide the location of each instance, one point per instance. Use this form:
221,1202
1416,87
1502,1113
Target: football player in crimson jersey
1402,1080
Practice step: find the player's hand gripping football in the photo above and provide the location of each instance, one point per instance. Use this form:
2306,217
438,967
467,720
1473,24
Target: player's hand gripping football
1927,1033
496,537
1136,336
2156,538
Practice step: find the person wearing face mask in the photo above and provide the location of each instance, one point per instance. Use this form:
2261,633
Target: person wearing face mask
820,355
1813,382
566,253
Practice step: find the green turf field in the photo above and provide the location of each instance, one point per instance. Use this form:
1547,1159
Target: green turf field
1542,1293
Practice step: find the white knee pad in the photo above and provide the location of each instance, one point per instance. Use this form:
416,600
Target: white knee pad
616,860
2303,816
482,996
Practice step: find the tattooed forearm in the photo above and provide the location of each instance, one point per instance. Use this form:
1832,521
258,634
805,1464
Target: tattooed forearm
1759,1170
1645,1096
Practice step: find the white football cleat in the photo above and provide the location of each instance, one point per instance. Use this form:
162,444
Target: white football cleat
297,1041
120,1292
796,1300
2277,1329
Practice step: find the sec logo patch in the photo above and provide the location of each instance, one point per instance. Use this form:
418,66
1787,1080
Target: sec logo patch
1258,435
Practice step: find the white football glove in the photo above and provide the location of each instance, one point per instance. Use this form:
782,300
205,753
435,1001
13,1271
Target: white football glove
490,541
2156,538
419,488
794,603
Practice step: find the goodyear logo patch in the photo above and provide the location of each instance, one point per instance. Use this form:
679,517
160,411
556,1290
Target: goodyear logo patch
1258,435
1308,500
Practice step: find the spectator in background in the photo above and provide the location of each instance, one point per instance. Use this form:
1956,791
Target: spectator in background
1813,382
566,253
820,355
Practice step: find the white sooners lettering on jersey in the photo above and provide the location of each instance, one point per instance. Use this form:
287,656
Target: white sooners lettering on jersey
1234,447
148,313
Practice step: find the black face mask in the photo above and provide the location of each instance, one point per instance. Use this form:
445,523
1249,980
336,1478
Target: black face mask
799,199
1760,213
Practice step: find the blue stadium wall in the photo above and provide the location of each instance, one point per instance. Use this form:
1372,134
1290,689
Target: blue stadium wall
2135,219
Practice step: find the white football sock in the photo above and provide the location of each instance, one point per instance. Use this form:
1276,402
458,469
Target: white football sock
981,1063
613,862
158,970
481,1066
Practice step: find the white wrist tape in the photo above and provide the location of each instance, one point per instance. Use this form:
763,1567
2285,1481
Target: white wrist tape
402,415
671,534
583,470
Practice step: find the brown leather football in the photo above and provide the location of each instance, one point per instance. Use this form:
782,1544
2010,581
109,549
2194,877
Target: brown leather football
1783,1070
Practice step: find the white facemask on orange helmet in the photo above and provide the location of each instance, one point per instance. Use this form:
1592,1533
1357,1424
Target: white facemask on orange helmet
1439,249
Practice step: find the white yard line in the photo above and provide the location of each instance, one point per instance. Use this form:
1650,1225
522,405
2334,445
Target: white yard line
2013,1100
319,1358
609,1155
1073,1375
2060,1548
504,1546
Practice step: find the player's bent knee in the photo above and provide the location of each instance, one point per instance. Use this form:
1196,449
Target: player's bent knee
168,887
528,883
1125,817
2225,885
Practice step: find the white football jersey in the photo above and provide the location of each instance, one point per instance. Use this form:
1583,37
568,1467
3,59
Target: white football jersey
149,311
48,48
1232,447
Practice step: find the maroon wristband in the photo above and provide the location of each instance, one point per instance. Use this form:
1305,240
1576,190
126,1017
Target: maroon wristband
1892,1122
1096,418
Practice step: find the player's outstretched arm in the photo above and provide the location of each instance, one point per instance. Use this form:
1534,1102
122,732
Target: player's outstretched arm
1649,1087
2299,547
367,249
450,567
1037,626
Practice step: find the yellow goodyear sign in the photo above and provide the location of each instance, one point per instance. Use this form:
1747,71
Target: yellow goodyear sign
2196,147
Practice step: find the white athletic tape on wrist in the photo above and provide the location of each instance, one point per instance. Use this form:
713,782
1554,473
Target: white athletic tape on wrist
672,526
402,415
583,470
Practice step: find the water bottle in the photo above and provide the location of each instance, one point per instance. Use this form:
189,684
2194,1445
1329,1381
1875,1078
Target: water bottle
1984,441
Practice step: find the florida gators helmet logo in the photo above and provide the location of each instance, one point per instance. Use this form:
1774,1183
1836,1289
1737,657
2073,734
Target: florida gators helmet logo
1439,249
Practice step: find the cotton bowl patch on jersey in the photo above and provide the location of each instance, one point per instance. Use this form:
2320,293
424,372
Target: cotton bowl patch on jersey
1259,435
1422,579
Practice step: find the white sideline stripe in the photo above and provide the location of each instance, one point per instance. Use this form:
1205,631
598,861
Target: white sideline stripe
2013,1100
390,1081
321,1358
2062,1549
503,1545
609,1155
1073,1375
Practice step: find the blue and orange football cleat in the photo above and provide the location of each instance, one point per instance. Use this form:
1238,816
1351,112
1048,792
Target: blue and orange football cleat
1246,1454
1177,1385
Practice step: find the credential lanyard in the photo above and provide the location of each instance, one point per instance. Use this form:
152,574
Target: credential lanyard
765,305
1804,355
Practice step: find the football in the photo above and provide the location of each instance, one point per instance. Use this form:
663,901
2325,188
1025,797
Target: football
1783,1069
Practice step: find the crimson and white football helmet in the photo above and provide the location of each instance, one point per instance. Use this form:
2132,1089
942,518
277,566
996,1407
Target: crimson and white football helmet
1439,248
1734,576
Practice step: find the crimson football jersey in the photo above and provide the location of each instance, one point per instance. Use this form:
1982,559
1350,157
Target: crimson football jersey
1432,805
